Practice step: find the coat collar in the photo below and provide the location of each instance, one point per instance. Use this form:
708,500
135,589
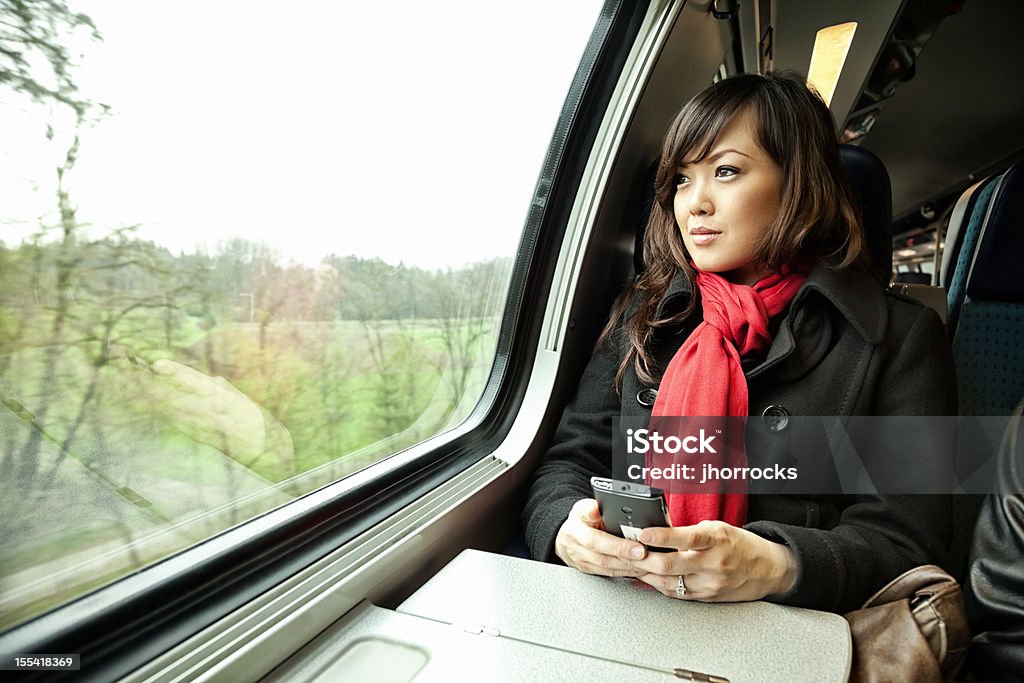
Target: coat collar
856,295
676,296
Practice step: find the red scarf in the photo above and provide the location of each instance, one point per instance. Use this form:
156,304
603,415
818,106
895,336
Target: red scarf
705,377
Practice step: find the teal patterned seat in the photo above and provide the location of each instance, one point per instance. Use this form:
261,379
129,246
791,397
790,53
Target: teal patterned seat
988,345
965,226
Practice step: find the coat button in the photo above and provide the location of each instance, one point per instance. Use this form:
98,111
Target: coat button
646,397
776,418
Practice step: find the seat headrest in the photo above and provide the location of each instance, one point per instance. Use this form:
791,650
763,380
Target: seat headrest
996,272
959,219
914,278
869,180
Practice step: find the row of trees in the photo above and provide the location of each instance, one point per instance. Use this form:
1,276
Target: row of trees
243,281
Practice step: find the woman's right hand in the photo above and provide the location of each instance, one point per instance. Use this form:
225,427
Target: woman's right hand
583,543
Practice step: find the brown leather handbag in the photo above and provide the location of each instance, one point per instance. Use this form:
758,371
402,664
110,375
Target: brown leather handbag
913,629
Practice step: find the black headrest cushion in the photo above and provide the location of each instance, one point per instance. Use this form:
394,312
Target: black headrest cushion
869,180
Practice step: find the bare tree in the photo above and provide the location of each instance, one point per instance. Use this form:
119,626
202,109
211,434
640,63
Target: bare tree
36,62
467,321
35,59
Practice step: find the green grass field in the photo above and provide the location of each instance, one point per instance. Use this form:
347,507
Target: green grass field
99,451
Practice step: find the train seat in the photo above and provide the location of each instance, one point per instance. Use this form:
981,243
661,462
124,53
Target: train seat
933,290
932,296
988,346
913,278
957,228
870,182
965,225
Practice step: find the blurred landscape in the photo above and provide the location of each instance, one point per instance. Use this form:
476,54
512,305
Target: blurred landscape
346,363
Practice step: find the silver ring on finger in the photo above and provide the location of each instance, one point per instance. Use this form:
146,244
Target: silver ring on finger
680,587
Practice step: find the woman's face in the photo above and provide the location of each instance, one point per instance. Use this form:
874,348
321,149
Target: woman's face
724,203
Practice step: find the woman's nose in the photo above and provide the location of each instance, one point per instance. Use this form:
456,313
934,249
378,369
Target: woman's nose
700,200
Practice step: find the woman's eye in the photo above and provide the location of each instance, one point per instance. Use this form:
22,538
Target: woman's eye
726,171
681,179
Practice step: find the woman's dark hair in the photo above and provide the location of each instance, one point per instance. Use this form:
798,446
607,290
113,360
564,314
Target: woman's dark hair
818,220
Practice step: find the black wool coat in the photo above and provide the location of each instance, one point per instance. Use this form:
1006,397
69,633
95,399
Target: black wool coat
845,347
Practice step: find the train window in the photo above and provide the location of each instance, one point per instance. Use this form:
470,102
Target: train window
247,252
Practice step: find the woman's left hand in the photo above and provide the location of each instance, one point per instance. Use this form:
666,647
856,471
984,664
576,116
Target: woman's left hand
718,562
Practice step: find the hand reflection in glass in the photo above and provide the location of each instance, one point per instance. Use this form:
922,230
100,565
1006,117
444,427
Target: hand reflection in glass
208,410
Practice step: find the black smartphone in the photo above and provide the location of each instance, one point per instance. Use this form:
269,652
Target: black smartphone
627,508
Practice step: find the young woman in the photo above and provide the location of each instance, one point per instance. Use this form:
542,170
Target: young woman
756,299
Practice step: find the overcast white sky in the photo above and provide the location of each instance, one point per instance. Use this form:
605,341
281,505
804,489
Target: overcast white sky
412,131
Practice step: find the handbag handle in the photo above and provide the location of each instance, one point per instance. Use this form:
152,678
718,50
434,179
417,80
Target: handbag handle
908,583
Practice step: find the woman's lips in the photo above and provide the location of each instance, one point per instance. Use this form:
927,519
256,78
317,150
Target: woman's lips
702,237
